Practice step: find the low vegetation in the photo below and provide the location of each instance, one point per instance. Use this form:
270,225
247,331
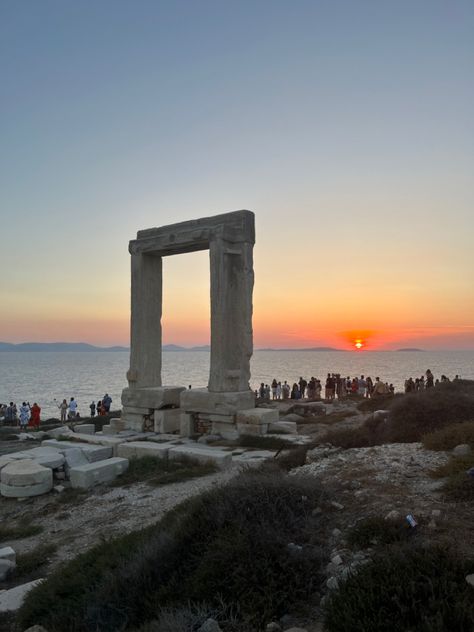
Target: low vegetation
155,471
459,484
412,417
252,548
405,588
19,531
262,442
449,437
376,531
30,562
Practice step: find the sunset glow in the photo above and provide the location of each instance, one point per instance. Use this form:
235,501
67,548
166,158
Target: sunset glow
355,154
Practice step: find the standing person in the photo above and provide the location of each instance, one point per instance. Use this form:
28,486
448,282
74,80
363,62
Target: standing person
302,384
72,408
379,389
106,402
24,416
10,414
285,389
370,386
279,390
361,386
429,379
35,416
92,407
330,387
274,388
63,410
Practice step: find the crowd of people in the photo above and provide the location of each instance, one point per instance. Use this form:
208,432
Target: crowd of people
334,386
26,416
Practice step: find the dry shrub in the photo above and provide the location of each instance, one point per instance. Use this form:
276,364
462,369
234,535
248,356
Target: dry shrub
449,437
406,588
229,545
417,414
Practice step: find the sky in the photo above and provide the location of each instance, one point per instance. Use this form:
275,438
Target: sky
346,126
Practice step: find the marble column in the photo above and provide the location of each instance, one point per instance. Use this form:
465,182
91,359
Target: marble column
232,278
146,308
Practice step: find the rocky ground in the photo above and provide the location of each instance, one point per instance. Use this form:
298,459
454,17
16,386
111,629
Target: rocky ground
390,480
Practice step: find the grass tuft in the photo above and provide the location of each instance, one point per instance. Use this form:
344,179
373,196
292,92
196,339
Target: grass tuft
155,471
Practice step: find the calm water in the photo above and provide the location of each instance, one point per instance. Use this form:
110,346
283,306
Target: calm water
48,376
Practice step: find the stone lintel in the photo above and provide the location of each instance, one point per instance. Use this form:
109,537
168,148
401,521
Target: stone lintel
194,235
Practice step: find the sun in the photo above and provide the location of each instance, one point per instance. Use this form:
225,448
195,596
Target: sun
358,344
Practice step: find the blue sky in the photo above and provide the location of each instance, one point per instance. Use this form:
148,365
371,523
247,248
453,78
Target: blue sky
346,127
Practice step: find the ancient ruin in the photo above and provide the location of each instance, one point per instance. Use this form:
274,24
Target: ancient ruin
147,404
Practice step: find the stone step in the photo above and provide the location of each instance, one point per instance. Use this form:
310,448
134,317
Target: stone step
85,476
201,454
136,449
84,429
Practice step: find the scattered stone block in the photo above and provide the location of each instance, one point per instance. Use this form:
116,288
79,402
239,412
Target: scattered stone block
201,454
59,489
283,427
26,491
463,449
46,456
225,430
252,429
85,476
91,452
74,457
6,568
12,599
136,449
85,428
7,553
25,472
60,432
257,416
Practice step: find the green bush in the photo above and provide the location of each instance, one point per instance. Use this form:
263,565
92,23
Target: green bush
405,589
417,414
375,530
229,545
449,437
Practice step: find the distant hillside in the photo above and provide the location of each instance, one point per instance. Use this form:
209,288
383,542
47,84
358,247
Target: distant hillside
56,346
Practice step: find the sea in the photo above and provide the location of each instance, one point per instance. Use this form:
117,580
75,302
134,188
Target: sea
47,377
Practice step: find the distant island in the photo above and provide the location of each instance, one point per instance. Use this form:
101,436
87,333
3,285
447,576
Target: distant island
410,349
303,349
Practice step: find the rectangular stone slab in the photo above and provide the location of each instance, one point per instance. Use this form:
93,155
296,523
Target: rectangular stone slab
85,428
136,449
257,416
200,454
92,452
85,476
152,397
